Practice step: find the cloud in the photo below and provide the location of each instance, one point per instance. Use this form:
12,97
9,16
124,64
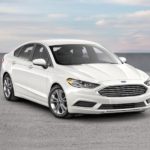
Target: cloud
9,1
57,16
90,18
120,2
15,8
134,42
138,19
21,32
8,10
140,14
129,2
101,23
130,31
115,23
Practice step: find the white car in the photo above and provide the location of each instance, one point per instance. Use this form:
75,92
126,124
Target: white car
74,77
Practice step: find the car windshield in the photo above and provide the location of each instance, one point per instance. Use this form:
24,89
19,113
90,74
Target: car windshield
82,54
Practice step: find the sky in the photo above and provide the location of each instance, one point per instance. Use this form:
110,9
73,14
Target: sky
119,25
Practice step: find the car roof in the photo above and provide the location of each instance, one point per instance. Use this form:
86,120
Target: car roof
62,42
54,42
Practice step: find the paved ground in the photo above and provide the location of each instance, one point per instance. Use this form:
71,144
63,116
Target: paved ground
28,126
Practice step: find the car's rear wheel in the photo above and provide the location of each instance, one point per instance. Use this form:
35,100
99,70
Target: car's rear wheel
8,88
58,102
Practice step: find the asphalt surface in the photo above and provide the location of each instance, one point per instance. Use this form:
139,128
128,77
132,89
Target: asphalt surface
28,126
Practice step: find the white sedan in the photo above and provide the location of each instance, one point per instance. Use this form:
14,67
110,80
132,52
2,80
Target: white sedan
74,77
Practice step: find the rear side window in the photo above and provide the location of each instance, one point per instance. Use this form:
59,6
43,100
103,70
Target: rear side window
17,51
26,51
41,53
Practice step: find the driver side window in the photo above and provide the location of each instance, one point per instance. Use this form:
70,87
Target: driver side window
41,53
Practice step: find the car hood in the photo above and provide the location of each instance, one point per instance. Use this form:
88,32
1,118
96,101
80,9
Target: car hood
105,72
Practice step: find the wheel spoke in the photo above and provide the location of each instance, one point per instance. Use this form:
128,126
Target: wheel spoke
58,102
64,99
8,92
8,81
58,108
54,99
4,87
59,94
63,107
7,87
5,83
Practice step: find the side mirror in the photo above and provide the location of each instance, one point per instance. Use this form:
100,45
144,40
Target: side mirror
40,62
123,59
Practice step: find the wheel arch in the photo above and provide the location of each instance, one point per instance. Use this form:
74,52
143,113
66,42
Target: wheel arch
66,114
5,73
54,84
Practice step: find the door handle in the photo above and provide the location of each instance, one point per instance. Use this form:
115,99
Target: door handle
30,67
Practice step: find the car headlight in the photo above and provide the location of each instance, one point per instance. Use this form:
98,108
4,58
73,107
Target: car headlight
147,82
81,84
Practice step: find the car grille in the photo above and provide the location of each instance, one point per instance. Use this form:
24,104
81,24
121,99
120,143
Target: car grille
123,90
122,106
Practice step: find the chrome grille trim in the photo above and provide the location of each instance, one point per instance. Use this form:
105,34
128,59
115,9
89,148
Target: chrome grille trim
123,90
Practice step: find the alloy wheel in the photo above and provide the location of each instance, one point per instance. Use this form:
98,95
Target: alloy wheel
7,86
58,102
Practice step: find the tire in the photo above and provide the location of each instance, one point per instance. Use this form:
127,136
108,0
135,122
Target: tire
8,89
58,103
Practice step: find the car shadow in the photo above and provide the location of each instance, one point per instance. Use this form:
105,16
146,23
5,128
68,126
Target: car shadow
88,118
31,104
115,117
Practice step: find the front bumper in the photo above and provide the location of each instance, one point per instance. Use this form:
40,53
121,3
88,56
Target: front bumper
87,95
96,111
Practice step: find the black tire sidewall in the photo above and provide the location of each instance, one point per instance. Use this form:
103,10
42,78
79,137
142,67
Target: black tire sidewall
56,115
11,97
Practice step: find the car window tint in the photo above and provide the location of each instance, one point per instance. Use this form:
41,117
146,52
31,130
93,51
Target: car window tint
74,54
16,53
41,53
26,51
69,54
101,56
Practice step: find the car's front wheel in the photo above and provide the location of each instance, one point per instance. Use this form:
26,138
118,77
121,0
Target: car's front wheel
58,102
8,88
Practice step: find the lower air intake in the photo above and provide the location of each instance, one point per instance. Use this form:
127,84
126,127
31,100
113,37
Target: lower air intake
122,106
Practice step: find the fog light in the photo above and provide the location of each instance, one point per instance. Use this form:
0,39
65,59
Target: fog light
148,101
147,82
84,104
